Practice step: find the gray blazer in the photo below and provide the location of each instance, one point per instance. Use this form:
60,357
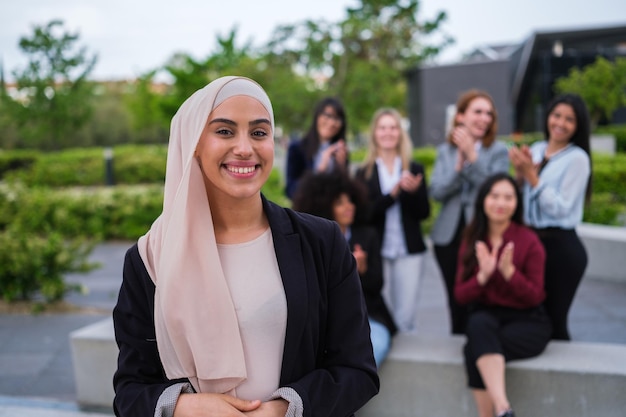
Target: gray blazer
456,191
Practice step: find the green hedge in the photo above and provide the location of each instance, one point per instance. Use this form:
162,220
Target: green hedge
53,208
126,211
132,164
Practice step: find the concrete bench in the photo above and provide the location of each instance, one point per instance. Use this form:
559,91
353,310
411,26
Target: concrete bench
425,376
94,357
606,250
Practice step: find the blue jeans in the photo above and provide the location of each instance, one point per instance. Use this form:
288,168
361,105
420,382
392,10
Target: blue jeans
381,341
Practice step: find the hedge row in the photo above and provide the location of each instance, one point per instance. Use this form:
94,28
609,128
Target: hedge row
126,211
47,230
132,164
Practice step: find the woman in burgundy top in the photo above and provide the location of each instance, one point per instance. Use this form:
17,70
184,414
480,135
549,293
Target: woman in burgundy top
500,278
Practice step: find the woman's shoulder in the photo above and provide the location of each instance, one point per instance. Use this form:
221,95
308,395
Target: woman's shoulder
523,233
578,153
445,146
498,145
295,145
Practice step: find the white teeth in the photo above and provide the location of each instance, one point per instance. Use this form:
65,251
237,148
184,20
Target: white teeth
241,170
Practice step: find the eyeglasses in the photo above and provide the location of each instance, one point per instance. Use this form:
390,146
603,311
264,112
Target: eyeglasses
331,116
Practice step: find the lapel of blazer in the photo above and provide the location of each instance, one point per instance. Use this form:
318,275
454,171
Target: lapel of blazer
291,266
375,181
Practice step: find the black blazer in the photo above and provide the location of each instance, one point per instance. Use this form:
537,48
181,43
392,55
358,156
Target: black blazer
414,207
327,358
372,279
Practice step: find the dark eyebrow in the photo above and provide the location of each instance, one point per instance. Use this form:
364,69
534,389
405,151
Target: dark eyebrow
259,121
232,123
226,121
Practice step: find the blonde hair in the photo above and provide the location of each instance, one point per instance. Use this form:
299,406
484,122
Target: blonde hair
404,147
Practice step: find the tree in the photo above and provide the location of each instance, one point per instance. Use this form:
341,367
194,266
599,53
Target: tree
602,85
361,59
55,89
289,91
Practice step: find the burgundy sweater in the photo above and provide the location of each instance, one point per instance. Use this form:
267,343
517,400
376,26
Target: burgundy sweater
524,289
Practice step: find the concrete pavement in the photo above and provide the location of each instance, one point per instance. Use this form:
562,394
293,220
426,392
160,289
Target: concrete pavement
36,377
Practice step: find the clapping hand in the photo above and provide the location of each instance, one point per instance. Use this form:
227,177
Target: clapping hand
409,182
466,146
505,265
522,161
487,261
361,258
337,151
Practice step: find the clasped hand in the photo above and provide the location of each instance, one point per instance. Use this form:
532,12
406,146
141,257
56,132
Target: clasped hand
488,261
224,405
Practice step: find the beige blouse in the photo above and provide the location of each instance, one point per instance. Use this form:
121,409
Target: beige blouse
256,288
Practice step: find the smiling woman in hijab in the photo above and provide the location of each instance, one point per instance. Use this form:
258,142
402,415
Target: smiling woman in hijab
231,305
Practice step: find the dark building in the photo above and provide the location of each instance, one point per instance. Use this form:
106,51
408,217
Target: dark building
520,79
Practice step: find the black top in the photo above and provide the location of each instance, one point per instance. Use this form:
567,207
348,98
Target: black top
414,207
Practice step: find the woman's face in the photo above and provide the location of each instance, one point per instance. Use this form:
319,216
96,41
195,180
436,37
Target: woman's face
477,118
328,124
343,210
501,202
561,123
387,133
236,149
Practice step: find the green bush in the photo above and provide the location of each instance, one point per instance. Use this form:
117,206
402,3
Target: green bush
17,160
605,208
609,175
95,213
34,264
131,164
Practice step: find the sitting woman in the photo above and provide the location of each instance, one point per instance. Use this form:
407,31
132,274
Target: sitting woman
500,278
337,197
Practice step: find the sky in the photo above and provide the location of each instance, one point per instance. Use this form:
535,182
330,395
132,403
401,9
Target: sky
131,37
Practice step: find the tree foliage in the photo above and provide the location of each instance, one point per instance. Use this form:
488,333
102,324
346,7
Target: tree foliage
362,58
602,85
54,91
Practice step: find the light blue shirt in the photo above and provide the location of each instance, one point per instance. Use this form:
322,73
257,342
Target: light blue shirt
558,199
393,245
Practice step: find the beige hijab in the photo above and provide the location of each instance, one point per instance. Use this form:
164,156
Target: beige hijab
196,325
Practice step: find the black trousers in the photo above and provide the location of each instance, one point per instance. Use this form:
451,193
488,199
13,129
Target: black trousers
566,261
513,333
447,258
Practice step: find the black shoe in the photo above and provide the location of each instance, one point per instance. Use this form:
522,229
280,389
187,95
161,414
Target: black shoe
507,413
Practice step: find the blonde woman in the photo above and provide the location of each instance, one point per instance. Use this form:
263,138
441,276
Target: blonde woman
398,202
